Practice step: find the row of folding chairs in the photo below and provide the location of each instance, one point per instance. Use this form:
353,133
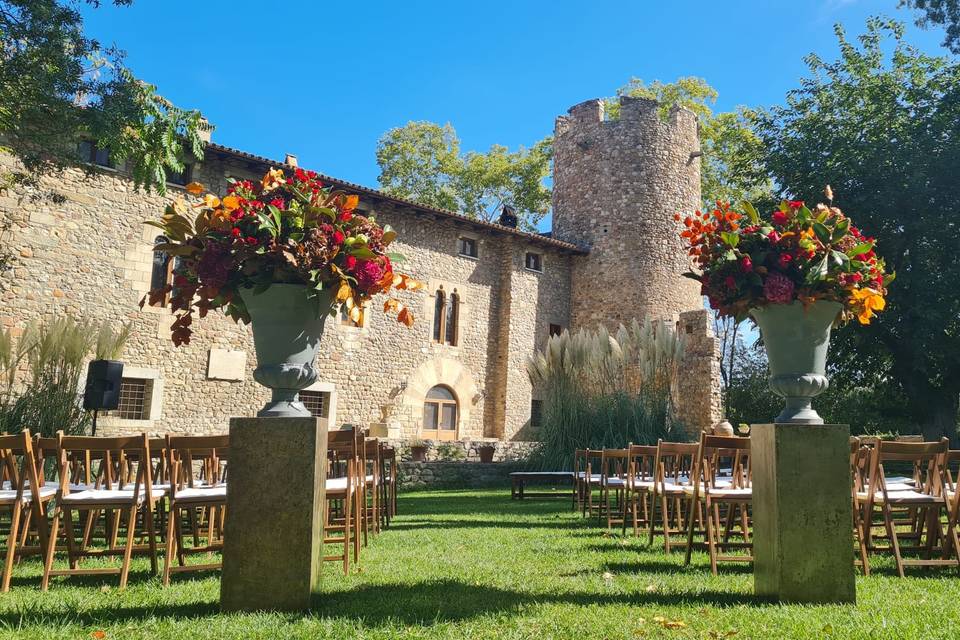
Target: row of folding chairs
905,501
74,495
361,492
694,494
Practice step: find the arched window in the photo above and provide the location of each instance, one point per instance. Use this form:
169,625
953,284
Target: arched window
162,271
446,317
440,414
438,305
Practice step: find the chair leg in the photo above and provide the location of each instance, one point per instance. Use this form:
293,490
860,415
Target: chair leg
892,532
11,545
712,526
128,548
51,549
171,542
73,557
151,536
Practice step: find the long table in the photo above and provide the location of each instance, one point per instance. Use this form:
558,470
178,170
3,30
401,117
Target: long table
519,479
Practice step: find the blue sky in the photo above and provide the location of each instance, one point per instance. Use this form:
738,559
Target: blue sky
324,80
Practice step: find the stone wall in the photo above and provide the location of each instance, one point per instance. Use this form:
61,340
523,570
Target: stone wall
467,450
455,475
617,185
86,252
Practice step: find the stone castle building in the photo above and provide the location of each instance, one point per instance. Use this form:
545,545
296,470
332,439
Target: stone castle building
493,295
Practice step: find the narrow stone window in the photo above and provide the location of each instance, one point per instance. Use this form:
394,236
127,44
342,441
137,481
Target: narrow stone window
536,413
555,330
316,402
440,414
161,273
452,319
181,178
438,313
90,152
467,247
533,261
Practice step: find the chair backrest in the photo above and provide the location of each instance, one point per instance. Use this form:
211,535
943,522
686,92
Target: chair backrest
909,438
593,459
928,460
111,455
185,453
642,460
343,445
615,463
714,451
951,469
19,464
674,462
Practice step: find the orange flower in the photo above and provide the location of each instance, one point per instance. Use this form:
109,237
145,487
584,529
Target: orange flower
272,180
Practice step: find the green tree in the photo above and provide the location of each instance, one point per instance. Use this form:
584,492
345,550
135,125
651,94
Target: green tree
943,13
422,161
884,130
57,86
731,166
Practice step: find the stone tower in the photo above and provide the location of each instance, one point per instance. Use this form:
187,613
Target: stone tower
616,187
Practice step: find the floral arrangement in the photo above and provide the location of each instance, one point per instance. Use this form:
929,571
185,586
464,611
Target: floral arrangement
800,254
282,229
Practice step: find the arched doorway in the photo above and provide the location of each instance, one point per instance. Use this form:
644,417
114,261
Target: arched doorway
441,414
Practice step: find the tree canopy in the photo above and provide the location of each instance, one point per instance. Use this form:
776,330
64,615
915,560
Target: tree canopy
884,130
58,86
422,161
942,13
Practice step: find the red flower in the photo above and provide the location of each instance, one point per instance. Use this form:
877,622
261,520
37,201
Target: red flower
778,288
301,175
345,216
252,240
338,237
746,264
235,232
784,260
796,204
351,262
368,274
779,218
731,282
773,237
278,203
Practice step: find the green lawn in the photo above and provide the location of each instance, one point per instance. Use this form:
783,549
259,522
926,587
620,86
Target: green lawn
478,565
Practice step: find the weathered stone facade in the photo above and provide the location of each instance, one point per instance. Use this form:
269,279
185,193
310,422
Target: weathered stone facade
86,252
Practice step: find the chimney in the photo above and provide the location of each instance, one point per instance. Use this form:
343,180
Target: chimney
290,160
205,130
508,217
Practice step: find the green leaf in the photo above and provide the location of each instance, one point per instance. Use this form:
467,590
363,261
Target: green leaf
818,271
839,258
363,252
275,214
389,235
861,248
730,238
751,212
730,255
823,233
397,258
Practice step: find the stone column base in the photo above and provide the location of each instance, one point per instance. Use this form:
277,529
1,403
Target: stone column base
273,538
802,515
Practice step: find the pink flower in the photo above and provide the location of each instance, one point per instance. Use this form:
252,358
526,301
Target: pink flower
796,204
368,273
784,260
778,288
779,218
746,264
773,237
338,237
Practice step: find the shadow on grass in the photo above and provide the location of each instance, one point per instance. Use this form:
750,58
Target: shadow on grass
421,603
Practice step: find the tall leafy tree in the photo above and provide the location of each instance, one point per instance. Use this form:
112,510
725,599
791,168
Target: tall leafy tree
942,13
422,161
58,86
884,130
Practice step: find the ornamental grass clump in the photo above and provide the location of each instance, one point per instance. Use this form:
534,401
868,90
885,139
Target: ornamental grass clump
796,254
282,229
599,390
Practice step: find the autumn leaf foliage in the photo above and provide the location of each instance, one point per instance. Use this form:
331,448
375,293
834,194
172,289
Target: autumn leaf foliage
281,229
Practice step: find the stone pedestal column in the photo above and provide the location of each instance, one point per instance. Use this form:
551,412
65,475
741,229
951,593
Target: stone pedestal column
273,538
802,515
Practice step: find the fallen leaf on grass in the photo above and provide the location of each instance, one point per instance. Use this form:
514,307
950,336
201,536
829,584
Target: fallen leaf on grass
99,634
670,624
651,588
716,635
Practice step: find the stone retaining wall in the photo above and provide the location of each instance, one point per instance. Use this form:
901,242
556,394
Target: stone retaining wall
455,475
461,451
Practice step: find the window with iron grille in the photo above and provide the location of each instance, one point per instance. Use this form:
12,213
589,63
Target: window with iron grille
467,247
134,399
533,262
315,402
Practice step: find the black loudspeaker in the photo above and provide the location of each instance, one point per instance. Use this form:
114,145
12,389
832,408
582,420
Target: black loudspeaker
103,384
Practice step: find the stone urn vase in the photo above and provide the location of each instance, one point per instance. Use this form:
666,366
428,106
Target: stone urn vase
796,337
723,428
486,452
287,326
418,452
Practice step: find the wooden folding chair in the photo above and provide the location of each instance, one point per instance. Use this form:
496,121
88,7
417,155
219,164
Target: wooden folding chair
591,482
24,495
388,474
713,489
198,501
344,512
927,497
373,483
641,460
673,469
614,466
113,492
579,473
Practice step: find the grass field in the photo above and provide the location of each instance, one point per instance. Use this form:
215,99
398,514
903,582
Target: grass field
477,565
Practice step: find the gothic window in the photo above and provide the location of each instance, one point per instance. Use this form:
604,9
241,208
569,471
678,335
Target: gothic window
446,317
90,152
162,272
440,414
533,261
